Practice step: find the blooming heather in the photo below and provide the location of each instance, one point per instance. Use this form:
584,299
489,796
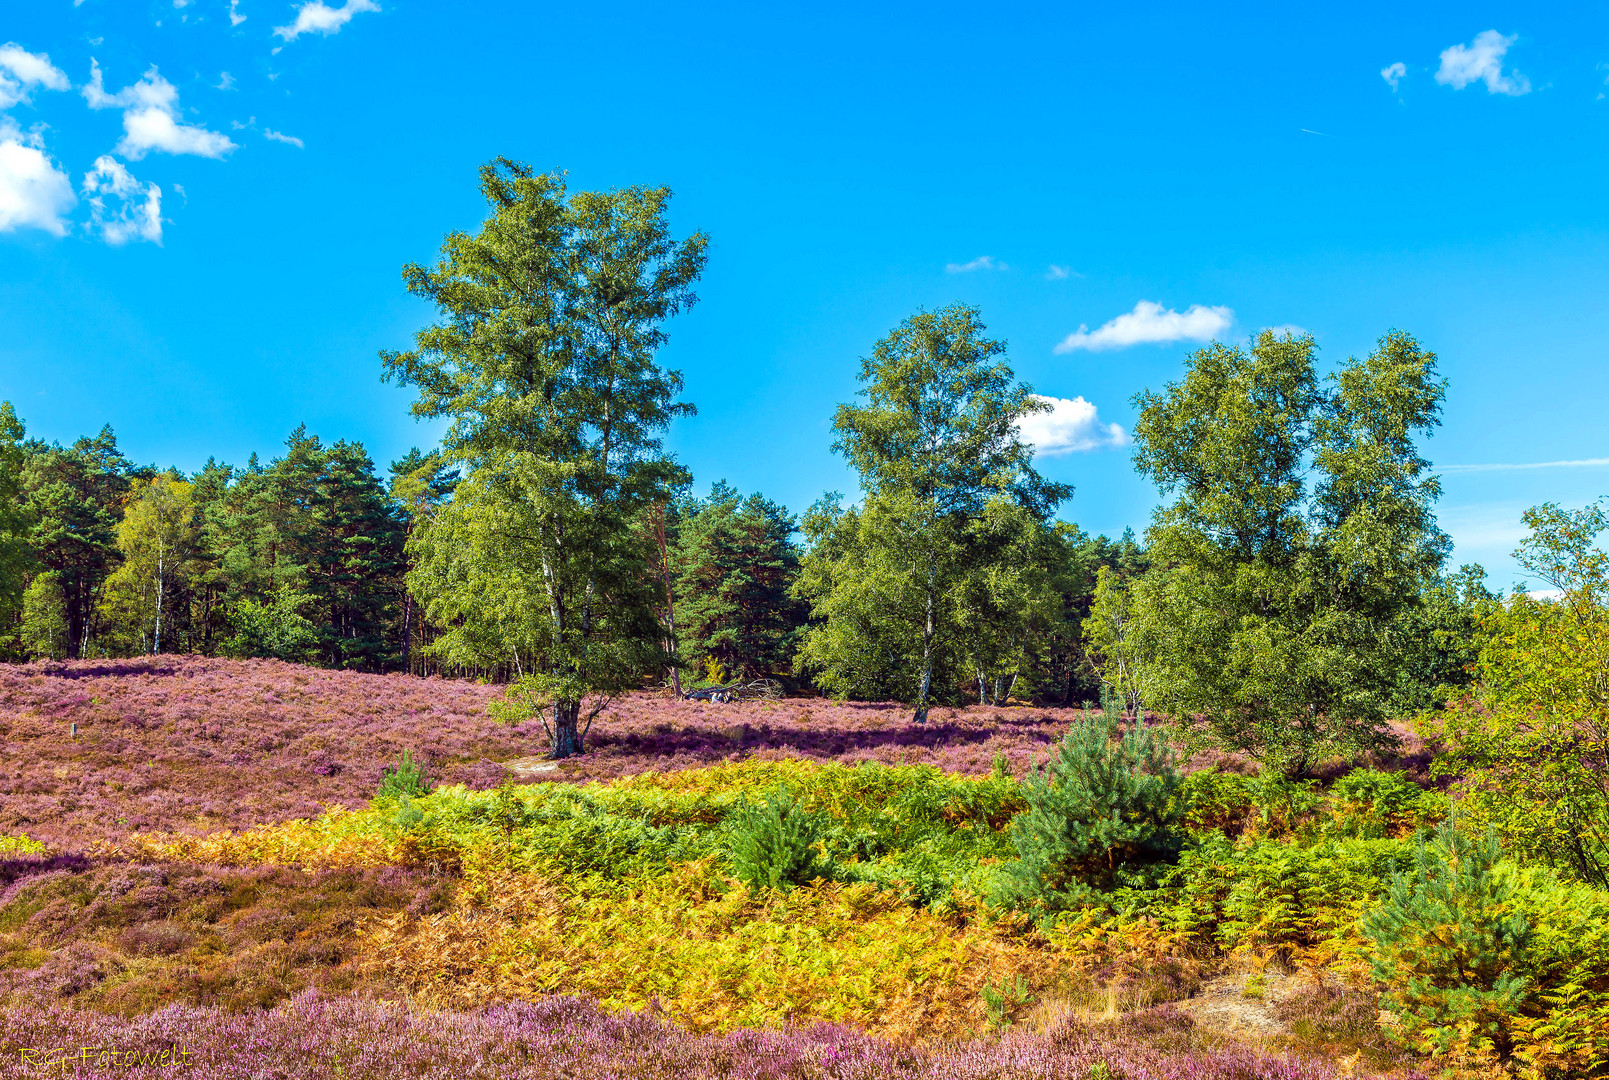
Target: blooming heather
312,1036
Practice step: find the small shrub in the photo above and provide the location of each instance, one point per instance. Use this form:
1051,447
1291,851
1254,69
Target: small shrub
777,844
999,1002
1450,944
1368,804
1096,809
406,778
20,845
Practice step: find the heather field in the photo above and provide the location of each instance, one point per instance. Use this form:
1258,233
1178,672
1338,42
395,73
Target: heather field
186,744
207,869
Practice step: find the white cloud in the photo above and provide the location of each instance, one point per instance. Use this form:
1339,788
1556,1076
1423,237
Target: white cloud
21,71
1482,60
34,192
315,17
1287,328
151,118
1150,323
1394,74
137,210
1058,273
982,262
1069,427
1580,463
1545,594
226,81
235,17
279,136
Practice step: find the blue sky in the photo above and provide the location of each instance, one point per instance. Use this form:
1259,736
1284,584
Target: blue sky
205,205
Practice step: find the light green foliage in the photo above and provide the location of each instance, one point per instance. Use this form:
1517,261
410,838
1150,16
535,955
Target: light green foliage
1265,620
1532,743
544,364
45,634
157,539
1367,803
936,444
1094,811
407,778
276,629
778,844
1273,898
1449,942
734,564
20,844
1000,1001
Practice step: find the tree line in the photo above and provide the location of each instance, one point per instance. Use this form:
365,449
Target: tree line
1289,597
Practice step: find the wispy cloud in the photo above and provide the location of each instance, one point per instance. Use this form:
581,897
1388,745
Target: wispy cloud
982,262
1482,61
21,71
1150,323
315,17
1284,329
1069,426
1060,273
278,136
1513,466
151,118
135,210
34,192
235,17
226,81
1393,74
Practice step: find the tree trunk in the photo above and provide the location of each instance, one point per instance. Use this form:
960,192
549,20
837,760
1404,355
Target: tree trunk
566,729
157,637
407,632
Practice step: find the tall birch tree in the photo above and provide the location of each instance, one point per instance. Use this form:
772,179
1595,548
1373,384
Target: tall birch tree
544,363
936,442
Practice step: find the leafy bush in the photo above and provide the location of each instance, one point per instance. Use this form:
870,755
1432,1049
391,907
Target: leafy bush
1450,945
1093,811
407,777
1366,803
777,844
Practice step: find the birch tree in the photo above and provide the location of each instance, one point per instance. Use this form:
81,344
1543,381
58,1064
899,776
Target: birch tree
544,363
935,441
157,539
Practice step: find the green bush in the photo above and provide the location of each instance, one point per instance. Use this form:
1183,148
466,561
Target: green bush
406,778
1450,945
1094,811
777,844
1366,803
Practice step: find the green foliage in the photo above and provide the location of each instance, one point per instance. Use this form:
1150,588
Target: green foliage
1531,745
894,583
16,557
1000,1001
1094,811
405,779
274,630
74,497
1366,803
157,540
20,845
45,634
1265,620
544,364
734,563
777,844
1449,944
